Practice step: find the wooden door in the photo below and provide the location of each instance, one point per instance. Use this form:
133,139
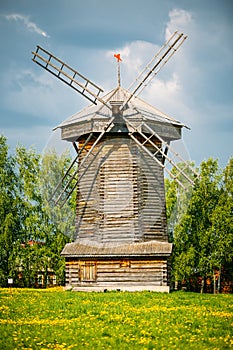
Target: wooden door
88,272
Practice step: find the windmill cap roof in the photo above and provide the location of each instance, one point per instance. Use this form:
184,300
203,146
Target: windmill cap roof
117,97
135,110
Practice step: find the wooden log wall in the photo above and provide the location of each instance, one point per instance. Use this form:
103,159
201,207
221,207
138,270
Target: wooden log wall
117,272
121,195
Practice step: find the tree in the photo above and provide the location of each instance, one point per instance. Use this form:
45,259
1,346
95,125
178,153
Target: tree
192,235
9,228
59,221
29,206
53,168
49,227
177,197
29,203
221,230
33,232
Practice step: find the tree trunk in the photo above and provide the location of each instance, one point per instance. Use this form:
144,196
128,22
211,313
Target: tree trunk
214,277
219,281
202,285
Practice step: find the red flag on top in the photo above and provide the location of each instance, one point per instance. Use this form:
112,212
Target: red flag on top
118,57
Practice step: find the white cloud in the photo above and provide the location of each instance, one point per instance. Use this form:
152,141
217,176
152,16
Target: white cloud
164,91
179,20
135,56
167,95
30,25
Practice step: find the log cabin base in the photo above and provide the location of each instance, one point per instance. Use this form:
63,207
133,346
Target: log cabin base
125,288
129,267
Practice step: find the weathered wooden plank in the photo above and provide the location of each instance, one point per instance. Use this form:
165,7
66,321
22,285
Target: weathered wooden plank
118,284
119,200
130,279
123,272
111,187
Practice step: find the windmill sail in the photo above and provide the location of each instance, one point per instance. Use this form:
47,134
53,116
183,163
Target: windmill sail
147,135
155,65
68,75
64,188
76,170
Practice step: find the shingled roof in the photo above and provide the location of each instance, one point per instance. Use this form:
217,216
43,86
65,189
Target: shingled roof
94,117
136,106
142,249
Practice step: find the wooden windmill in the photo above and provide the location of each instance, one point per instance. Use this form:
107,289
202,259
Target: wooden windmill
122,146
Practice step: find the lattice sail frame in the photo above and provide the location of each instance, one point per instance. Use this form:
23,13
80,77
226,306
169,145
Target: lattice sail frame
68,75
163,151
155,65
76,171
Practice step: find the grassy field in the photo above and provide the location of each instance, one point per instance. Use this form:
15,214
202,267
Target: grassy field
54,319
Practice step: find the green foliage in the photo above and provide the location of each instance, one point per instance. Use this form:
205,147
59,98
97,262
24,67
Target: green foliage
52,170
58,221
54,319
177,198
9,219
221,230
202,231
32,233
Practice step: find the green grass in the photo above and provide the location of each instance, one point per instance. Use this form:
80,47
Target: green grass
55,319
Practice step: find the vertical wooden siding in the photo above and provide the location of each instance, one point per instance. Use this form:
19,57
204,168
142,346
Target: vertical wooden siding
121,196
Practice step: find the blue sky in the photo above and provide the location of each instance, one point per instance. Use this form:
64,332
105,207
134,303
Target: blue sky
195,86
